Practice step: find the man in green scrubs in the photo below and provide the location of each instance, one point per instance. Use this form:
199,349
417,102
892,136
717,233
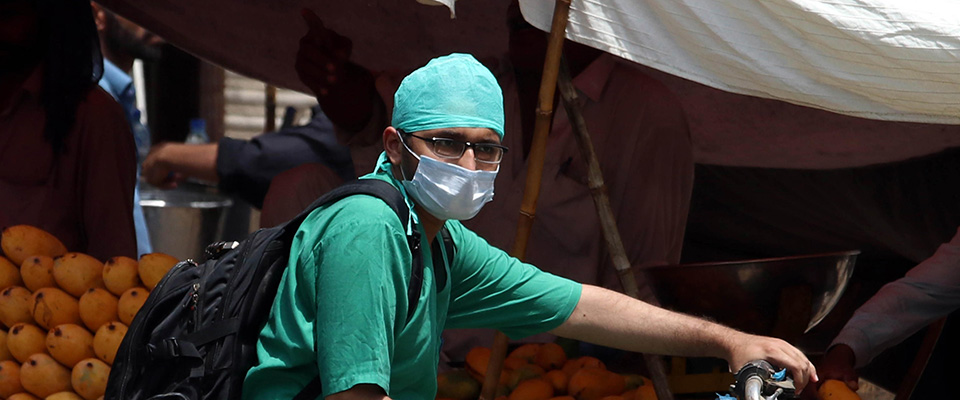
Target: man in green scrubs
341,308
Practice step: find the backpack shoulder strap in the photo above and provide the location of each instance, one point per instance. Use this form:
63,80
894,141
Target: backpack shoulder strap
371,187
390,195
439,266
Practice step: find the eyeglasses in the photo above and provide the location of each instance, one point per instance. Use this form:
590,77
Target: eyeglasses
451,148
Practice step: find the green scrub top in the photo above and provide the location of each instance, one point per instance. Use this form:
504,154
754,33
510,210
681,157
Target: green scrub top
341,308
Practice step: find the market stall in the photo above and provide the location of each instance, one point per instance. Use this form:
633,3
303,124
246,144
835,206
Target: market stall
780,85
785,84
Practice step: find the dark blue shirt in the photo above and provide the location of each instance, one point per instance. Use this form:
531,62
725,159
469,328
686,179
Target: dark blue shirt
247,167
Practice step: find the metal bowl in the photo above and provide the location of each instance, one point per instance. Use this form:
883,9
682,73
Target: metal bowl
183,221
782,297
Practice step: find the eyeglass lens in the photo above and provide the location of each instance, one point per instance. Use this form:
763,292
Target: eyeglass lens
454,149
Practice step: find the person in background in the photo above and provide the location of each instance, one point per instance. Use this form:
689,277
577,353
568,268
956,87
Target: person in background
245,168
123,41
929,291
67,158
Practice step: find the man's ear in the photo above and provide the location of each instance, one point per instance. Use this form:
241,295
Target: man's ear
392,145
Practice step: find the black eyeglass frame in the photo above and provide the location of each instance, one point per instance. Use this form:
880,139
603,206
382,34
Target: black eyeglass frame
433,141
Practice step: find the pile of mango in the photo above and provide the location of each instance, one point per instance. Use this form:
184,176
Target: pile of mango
542,371
64,314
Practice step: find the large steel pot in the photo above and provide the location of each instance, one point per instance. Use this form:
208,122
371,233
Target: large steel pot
183,221
782,297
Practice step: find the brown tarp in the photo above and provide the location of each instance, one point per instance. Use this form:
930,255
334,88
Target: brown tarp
259,38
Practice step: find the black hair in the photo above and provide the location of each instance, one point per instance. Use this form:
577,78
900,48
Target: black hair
72,63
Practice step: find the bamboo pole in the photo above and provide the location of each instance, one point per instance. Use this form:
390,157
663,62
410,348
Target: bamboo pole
270,109
607,221
531,192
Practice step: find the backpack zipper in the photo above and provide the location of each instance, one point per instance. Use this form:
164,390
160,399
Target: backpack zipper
195,304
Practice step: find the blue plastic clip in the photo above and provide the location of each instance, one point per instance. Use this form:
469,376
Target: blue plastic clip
780,376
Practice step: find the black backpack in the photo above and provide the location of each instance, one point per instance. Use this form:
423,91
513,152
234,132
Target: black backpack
196,335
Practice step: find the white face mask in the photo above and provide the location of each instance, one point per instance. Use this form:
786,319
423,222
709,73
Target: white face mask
449,191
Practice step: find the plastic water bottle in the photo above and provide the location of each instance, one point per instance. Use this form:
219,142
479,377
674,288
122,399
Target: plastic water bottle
198,132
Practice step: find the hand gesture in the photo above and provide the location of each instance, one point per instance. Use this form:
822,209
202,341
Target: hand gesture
344,89
322,56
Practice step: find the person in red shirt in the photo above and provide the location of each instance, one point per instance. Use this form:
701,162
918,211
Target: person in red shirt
66,153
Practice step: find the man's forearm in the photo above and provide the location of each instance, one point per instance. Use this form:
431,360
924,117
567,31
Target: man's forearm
612,319
615,320
191,160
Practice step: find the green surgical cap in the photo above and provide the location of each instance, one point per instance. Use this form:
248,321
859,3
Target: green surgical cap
453,91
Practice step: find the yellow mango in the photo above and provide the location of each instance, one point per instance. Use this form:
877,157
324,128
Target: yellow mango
9,274
15,306
69,344
52,307
89,378
107,340
22,241
130,302
153,267
457,384
64,396
37,273
41,375
9,378
77,272
97,307
22,396
120,274
25,340
833,389
4,350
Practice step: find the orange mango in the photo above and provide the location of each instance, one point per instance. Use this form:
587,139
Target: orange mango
21,241
69,344
120,274
89,378
25,340
130,303
15,306
42,376
52,307
97,307
107,340
37,272
75,273
9,378
153,266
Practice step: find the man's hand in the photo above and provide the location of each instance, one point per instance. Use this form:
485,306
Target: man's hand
344,90
157,170
322,56
839,364
744,348
168,164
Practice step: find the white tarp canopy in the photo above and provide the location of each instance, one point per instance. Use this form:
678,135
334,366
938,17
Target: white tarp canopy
881,59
